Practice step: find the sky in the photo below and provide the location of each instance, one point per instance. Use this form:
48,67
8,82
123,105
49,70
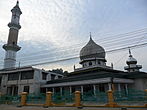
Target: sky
54,30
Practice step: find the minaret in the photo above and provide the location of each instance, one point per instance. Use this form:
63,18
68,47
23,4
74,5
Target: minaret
11,47
132,64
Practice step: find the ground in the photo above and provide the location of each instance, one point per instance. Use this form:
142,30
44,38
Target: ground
14,107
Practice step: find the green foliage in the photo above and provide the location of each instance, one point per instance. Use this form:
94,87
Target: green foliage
59,71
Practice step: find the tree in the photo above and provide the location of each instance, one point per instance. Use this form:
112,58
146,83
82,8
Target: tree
59,71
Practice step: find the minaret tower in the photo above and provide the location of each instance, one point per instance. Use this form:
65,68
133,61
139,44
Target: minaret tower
132,64
11,47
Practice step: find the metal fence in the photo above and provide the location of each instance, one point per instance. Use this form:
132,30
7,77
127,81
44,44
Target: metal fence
129,98
94,98
36,99
7,99
66,98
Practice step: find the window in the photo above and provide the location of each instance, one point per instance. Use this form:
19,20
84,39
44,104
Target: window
26,89
13,76
90,63
44,76
52,76
27,75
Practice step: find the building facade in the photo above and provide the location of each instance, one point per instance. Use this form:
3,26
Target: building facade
24,79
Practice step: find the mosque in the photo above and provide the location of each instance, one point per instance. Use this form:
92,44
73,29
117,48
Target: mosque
94,75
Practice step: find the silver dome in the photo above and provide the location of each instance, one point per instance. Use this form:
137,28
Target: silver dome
131,60
92,50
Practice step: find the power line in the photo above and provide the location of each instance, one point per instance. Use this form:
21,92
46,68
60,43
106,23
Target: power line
114,43
74,57
106,41
62,50
110,37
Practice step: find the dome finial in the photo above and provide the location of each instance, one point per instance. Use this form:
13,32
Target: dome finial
130,55
90,36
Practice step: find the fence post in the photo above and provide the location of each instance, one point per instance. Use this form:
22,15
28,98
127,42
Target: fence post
111,102
23,98
0,94
145,91
48,99
77,98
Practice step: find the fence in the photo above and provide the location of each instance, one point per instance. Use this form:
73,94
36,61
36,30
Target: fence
130,98
7,99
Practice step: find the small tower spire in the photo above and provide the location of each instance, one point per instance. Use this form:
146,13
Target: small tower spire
17,3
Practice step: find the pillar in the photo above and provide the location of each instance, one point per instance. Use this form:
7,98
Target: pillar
109,86
145,96
82,90
94,90
12,91
111,102
145,91
77,98
126,86
53,90
70,90
48,101
0,94
23,99
61,91
119,88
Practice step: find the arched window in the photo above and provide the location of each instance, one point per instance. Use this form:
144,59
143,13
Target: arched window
90,63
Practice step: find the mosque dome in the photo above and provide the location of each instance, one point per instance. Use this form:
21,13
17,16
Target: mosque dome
131,60
92,50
